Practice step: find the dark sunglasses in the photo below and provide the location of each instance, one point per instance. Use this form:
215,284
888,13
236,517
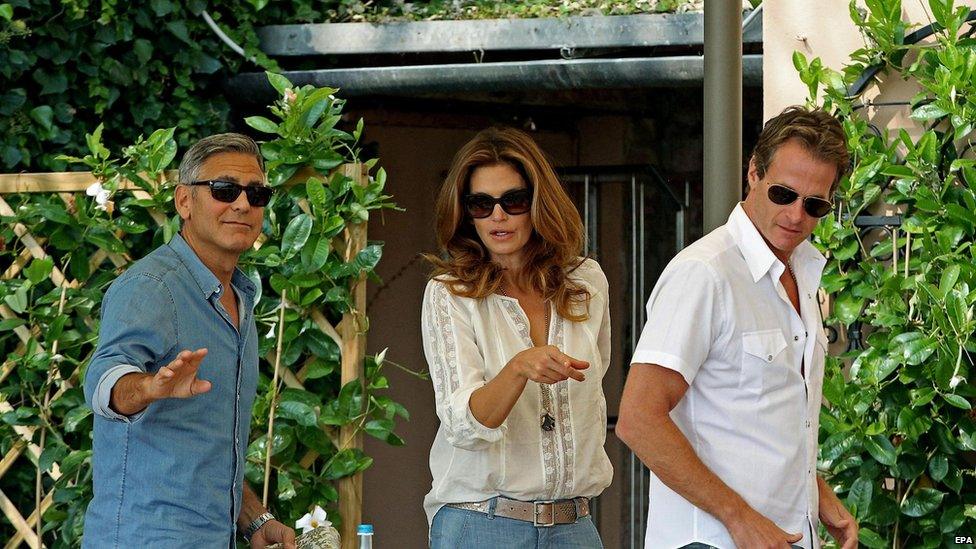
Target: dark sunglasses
480,206
226,191
812,205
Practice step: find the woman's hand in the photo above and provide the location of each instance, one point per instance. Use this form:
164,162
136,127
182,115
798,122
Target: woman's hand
548,364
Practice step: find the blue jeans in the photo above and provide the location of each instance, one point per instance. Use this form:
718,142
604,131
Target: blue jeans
463,529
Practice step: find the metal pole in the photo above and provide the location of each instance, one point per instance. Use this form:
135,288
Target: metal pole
723,110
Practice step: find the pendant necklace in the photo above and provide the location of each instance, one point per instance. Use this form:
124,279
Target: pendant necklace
546,421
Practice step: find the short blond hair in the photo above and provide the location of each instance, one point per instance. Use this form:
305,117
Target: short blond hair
816,129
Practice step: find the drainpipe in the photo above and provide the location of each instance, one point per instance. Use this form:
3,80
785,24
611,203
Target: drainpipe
723,111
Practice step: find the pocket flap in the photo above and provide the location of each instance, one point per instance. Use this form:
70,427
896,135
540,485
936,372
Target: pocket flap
764,345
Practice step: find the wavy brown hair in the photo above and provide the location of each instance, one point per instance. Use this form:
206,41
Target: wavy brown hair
554,248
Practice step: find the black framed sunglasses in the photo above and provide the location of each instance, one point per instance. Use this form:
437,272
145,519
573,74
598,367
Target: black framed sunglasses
784,196
227,191
480,205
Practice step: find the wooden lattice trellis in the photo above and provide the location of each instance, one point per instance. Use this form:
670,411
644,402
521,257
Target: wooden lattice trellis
349,335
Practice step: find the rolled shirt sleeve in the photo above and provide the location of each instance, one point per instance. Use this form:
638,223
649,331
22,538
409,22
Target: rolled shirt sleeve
683,317
137,332
457,368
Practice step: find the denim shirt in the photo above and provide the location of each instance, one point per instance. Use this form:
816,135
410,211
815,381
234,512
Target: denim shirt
171,475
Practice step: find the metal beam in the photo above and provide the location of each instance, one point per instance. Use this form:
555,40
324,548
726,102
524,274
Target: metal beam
641,72
723,111
619,31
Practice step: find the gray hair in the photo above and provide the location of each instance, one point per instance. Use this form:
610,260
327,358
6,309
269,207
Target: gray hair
203,149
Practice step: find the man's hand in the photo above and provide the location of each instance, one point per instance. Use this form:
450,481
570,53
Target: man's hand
752,530
178,379
547,364
273,532
839,522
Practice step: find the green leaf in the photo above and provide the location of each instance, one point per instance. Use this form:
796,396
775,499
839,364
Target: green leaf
928,112
261,124
938,467
949,277
921,397
880,449
43,115
379,428
922,502
368,257
39,269
860,495
6,11
279,82
302,413
74,418
72,462
315,191
870,539
912,424
17,300
11,323
347,462
952,519
958,401
296,234
319,368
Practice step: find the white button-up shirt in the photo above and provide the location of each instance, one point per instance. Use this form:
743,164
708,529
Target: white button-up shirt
467,342
720,317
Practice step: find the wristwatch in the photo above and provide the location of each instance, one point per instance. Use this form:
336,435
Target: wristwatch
256,525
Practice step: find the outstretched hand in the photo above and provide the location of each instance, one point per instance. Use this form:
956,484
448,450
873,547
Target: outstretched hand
178,379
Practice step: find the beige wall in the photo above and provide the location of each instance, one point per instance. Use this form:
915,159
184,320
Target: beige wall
823,28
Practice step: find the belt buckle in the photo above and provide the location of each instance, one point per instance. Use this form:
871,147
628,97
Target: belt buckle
552,514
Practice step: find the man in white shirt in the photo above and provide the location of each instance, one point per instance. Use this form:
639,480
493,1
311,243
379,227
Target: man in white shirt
724,392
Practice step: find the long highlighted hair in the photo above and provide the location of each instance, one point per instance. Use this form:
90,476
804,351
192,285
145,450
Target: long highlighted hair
554,248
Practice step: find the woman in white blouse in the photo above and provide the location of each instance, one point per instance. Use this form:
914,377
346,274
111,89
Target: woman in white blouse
516,331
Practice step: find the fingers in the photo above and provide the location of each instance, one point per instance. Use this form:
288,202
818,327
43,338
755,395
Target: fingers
793,538
200,386
567,371
567,360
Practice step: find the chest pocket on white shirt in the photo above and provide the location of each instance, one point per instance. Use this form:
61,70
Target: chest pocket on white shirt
761,351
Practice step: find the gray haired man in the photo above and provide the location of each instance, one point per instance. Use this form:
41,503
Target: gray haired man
175,371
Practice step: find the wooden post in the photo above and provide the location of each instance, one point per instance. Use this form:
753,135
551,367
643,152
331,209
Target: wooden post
353,357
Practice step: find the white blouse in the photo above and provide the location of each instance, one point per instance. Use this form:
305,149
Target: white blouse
467,342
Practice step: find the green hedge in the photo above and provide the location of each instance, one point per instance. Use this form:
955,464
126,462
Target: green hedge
67,66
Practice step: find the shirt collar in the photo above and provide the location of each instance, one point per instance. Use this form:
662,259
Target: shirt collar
760,258
204,277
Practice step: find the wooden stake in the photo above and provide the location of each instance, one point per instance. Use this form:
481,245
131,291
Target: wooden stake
274,401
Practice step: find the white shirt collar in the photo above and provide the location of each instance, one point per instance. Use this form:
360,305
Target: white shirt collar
760,258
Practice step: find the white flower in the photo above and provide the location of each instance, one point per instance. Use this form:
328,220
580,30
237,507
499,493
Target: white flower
94,189
101,195
955,381
313,520
290,95
101,200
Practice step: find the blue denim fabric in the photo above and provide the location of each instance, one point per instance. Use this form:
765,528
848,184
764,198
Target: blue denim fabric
172,475
454,528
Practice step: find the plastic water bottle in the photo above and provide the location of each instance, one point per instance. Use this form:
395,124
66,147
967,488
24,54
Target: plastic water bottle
365,533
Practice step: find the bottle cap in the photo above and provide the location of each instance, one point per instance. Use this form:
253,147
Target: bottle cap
365,529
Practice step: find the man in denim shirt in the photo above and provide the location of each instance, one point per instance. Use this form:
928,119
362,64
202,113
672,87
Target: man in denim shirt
175,372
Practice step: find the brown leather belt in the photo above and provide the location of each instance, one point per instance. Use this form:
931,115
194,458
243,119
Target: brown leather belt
539,513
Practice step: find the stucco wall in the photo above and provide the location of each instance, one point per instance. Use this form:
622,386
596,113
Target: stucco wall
823,28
